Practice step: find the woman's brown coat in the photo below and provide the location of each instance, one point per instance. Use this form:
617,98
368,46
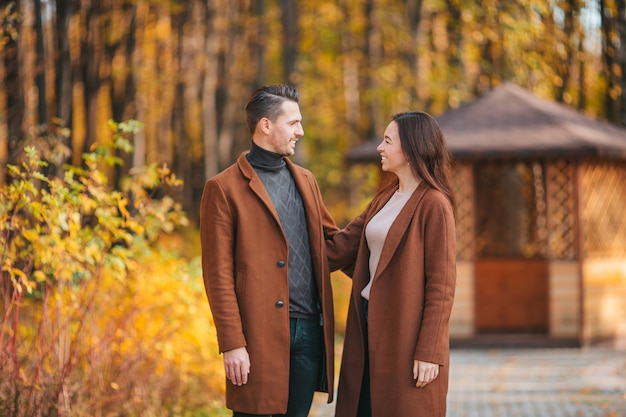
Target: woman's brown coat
244,263
409,307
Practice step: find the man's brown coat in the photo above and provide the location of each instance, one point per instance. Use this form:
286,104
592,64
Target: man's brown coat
409,308
244,262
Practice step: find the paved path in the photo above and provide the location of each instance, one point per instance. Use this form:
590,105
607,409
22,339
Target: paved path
588,382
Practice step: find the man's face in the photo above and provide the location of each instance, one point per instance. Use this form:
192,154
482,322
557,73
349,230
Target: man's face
285,131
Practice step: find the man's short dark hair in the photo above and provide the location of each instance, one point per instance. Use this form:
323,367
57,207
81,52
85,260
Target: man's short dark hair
267,102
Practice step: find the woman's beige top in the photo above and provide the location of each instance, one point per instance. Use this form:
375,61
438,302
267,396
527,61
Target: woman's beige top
376,232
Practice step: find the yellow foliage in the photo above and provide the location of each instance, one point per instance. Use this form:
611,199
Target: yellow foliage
151,332
342,286
98,316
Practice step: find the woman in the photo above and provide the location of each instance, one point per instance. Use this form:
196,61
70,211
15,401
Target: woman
401,251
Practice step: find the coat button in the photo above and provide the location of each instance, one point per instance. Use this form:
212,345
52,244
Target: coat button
280,304
280,263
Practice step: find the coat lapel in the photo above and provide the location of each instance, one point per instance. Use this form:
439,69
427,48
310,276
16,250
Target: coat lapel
399,228
303,184
256,185
312,204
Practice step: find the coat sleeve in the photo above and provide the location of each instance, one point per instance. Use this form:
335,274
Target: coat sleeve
328,223
439,281
217,235
342,246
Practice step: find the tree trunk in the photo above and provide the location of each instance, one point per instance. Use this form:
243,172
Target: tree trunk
454,25
4,123
610,55
142,10
9,88
414,16
289,20
374,62
63,82
230,91
124,26
490,54
621,25
258,40
123,89
40,64
27,62
582,96
209,90
92,59
351,74
77,124
185,24
168,76
565,65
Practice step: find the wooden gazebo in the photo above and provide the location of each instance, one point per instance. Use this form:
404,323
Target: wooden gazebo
541,230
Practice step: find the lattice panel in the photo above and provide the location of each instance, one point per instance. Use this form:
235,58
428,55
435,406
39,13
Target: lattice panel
604,209
561,198
511,217
464,194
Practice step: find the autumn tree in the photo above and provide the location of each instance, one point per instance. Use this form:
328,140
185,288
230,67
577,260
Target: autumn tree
186,69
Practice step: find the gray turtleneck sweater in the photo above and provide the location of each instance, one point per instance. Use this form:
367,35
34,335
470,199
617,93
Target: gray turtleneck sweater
273,171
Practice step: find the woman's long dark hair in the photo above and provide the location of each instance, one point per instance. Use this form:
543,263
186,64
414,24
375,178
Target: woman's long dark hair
425,148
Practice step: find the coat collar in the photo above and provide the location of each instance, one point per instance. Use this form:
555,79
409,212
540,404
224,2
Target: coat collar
255,183
301,178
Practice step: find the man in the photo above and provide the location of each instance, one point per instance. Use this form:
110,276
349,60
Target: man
263,225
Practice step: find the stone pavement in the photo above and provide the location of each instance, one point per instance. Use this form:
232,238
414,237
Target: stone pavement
559,382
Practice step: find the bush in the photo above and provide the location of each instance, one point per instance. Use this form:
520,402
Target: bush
98,318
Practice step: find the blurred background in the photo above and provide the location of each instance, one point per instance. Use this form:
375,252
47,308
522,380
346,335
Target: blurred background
113,113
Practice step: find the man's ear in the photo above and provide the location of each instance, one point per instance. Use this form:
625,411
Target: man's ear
265,124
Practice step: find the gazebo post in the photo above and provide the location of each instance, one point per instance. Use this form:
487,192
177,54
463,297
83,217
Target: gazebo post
580,250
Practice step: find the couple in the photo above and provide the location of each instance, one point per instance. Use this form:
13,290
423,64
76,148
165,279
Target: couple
269,244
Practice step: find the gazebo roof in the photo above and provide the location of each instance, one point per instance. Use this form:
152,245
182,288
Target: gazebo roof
510,122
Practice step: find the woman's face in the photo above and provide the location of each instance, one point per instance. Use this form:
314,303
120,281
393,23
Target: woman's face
392,158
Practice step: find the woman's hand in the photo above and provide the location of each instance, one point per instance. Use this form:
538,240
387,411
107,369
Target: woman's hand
424,373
